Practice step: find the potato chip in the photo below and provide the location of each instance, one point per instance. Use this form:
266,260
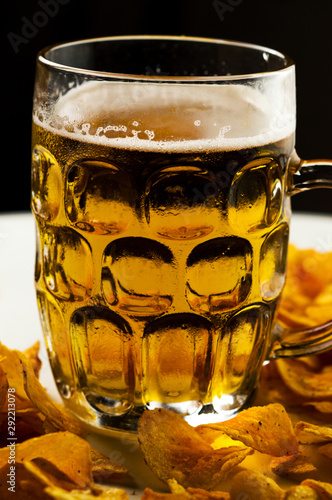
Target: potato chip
175,487
295,320
312,433
47,473
308,270
3,388
11,365
324,489
32,353
189,494
326,450
178,492
267,429
104,469
251,485
320,406
149,494
307,296
200,494
319,313
301,492
106,494
21,485
293,465
20,370
174,450
56,414
304,381
66,451
28,424
196,493
272,389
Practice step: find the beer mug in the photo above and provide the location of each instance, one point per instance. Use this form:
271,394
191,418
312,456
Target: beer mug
162,172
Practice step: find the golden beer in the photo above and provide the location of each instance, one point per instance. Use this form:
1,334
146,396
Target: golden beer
162,241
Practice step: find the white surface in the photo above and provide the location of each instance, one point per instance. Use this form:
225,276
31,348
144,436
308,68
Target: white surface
19,320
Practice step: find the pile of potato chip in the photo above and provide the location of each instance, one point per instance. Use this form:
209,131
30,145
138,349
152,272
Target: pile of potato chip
279,448
304,383
307,296
50,456
194,461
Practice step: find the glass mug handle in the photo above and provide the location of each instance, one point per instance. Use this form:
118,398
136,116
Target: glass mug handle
304,175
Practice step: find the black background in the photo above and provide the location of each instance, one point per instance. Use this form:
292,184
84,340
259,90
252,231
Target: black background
300,28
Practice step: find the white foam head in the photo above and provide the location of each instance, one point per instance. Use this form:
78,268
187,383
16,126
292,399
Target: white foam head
172,117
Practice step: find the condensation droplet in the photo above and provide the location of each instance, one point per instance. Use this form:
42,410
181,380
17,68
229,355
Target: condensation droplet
65,390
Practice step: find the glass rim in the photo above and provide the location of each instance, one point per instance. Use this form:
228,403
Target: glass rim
43,59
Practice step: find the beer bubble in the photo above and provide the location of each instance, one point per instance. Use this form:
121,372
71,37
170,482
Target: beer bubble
85,128
150,134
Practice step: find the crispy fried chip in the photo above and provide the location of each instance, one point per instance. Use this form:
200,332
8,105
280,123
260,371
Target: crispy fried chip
185,494
301,492
56,414
324,489
267,429
326,450
176,488
50,476
200,494
11,365
47,473
293,465
20,369
251,485
3,388
28,423
69,453
272,389
196,493
178,492
105,494
32,353
311,433
320,406
307,294
21,485
149,494
103,468
305,381
173,449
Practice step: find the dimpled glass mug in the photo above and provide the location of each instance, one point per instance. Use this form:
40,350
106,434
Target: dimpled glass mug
162,170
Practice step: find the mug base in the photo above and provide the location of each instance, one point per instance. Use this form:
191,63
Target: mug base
125,424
